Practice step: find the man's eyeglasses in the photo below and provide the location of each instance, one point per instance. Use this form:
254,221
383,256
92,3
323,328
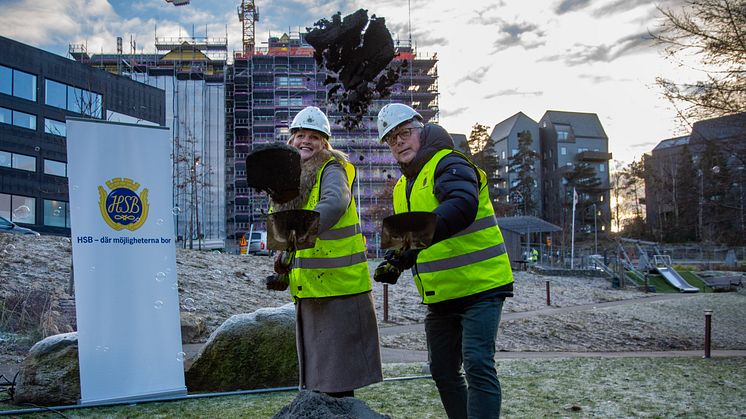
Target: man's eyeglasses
404,133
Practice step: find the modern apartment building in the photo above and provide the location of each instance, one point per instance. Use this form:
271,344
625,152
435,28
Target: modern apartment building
572,150
506,135
575,153
38,90
665,170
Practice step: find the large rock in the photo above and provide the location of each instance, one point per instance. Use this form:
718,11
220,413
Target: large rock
313,405
193,327
50,373
248,351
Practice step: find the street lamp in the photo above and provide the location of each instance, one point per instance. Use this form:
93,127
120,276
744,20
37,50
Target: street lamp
595,230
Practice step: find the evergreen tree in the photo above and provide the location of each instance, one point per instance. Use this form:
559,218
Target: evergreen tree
523,164
482,149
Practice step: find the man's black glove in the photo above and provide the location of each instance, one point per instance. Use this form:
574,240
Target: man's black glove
386,273
403,260
277,282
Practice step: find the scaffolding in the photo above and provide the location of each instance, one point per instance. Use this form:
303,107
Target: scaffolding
191,71
271,84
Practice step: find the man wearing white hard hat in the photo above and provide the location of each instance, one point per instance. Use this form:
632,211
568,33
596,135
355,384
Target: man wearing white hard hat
464,275
336,328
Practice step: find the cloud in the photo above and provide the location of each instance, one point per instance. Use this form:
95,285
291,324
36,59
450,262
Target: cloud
566,6
453,112
585,54
619,6
511,92
475,76
645,145
523,34
46,23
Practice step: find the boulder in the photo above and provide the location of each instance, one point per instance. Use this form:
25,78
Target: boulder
248,351
193,327
313,405
49,375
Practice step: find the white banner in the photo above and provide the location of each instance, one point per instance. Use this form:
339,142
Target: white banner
124,261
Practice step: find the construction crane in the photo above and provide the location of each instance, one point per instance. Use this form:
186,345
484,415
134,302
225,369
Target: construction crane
248,15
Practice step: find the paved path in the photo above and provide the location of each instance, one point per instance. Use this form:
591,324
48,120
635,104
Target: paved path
420,327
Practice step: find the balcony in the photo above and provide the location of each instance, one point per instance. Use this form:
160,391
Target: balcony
593,156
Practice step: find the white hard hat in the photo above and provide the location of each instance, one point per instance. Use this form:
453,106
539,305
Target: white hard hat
312,118
392,115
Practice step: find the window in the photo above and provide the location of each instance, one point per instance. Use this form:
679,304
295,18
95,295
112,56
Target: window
56,213
55,94
56,168
23,162
513,152
502,154
24,120
5,206
17,83
562,135
6,80
54,127
563,151
22,209
24,85
291,101
74,99
6,116
5,159
601,167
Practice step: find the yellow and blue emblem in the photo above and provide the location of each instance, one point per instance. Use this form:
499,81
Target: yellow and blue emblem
123,207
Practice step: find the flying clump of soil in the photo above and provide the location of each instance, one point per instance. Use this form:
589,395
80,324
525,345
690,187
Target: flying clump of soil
357,52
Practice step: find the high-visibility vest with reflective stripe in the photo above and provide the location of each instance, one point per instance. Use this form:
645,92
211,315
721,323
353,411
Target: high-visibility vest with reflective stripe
336,265
472,261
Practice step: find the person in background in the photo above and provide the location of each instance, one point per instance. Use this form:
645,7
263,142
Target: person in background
464,276
336,329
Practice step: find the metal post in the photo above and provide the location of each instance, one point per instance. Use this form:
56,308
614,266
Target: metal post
708,328
595,230
385,302
549,300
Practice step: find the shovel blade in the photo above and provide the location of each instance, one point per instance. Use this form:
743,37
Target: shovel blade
408,230
275,169
292,229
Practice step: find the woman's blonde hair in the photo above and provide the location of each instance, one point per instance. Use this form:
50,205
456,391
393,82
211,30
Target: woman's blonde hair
339,156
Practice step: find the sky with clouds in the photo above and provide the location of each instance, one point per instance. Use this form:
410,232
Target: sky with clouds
496,57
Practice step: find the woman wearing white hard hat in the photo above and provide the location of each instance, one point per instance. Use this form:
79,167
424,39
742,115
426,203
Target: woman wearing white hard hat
336,329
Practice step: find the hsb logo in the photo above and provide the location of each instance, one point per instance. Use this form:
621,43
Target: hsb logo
123,207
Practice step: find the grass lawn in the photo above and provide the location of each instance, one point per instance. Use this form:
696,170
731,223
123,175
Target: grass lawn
575,388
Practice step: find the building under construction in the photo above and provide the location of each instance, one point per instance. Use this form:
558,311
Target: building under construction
266,87
191,70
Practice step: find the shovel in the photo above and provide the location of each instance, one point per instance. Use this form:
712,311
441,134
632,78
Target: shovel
275,169
408,230
292,229
405,231
289,231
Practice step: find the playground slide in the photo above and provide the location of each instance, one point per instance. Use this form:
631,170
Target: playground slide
673,278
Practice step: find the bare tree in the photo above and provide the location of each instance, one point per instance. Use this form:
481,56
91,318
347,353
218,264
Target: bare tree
714,32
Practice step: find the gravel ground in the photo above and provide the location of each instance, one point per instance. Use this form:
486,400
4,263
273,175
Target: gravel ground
214,286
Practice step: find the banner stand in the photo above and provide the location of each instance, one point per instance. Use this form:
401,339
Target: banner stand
124,261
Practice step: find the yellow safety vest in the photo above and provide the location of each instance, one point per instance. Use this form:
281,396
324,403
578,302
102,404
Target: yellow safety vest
471,261
337,264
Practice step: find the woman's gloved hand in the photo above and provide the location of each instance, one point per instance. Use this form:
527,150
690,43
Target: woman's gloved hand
277,282
283,262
